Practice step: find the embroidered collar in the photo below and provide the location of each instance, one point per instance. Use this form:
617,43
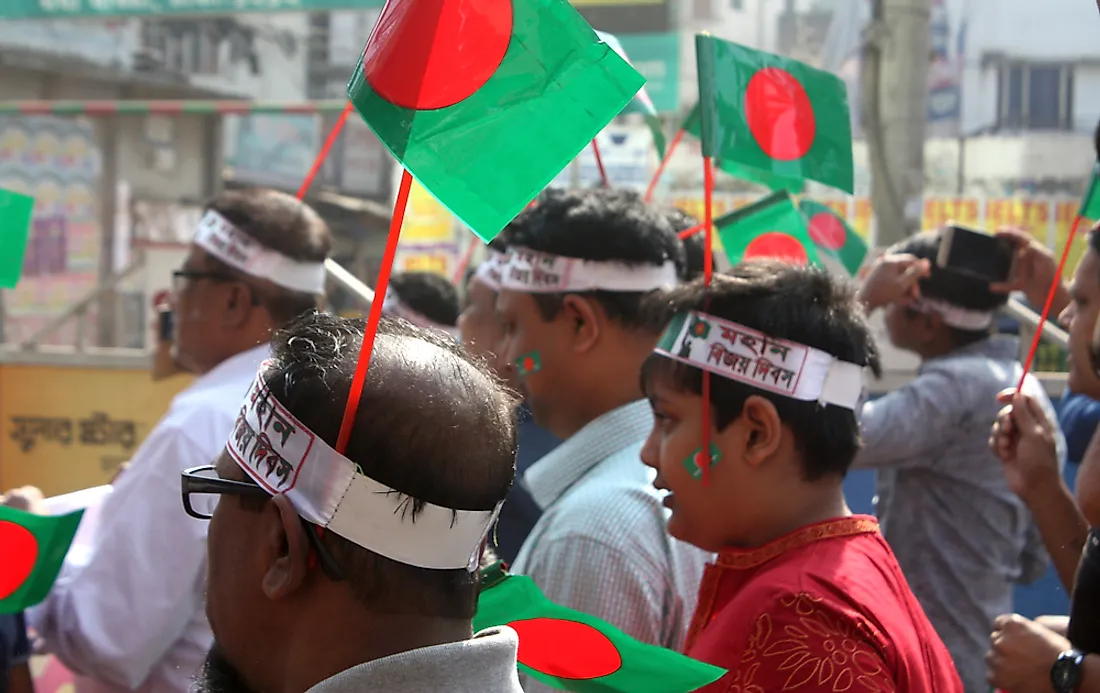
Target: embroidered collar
743,559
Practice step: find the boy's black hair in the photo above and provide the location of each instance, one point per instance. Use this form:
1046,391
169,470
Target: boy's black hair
949,286
694,245
798,304
606,226
429,294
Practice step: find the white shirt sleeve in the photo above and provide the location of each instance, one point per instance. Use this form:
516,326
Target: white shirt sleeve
116,615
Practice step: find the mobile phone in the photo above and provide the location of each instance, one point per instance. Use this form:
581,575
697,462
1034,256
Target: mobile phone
164,325
977,254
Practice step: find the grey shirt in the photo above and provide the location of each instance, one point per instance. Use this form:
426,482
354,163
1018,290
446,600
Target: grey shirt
961,536
484,664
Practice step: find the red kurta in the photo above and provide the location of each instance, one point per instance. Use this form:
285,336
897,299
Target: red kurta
824,608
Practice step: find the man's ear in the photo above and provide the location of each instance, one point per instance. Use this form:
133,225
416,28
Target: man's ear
587,322
239,302
287,549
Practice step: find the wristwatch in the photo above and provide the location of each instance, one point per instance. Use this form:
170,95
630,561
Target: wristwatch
1065,674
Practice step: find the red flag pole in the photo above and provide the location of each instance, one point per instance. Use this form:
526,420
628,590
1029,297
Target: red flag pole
708,277
465,261
360,377
689,232
664,162
1050,299
325,149
599,164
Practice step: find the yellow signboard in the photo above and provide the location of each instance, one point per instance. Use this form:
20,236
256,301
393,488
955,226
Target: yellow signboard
426,219
64,429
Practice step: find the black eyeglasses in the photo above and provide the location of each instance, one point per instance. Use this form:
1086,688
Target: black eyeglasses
205,483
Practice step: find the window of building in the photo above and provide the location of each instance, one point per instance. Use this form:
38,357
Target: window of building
1035,96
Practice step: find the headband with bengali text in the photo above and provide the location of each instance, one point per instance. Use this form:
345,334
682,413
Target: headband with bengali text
393,305
955,316
488,272
529,271
219,237
751,357
283,456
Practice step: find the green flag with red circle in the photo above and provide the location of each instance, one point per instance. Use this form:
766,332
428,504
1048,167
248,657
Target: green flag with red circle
760,177
32,549
773,113
836,241
772,227
484,102
573,651
1090,203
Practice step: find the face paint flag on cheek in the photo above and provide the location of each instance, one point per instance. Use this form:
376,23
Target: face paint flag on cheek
695,462
529,364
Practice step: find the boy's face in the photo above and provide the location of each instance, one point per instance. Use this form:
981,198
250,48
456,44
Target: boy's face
712,516
1079,319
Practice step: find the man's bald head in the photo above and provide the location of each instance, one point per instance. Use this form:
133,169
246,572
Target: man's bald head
432,423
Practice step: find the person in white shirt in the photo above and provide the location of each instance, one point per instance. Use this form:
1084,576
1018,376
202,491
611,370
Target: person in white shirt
129,616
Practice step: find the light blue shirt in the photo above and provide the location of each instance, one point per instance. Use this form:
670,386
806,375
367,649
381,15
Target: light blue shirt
601,545
962,537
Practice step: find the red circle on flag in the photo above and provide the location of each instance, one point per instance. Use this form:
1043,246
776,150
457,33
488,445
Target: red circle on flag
427,54
566,649
780,114
776,245
528,364
827,231
20,550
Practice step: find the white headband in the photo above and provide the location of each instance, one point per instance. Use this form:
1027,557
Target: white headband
327,489
488,272
956,316
393,305
533,272
217,236
751,357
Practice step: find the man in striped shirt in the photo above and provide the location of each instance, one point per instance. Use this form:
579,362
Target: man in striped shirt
580,267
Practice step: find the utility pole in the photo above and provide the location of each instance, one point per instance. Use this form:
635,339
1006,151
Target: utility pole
894,91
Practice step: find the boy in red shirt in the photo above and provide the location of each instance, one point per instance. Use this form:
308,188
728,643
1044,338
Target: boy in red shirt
804,595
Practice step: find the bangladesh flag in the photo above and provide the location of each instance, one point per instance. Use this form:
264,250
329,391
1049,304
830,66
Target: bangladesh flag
641,103
32,549
836,241
771,227
773,113
572,651
485,101
760,177
1090,203
15,228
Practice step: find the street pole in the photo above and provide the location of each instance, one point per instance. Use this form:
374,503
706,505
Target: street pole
894,90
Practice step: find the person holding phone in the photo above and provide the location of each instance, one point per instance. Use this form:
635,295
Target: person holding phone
962,537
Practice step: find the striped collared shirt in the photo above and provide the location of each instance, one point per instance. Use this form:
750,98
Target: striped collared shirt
601,545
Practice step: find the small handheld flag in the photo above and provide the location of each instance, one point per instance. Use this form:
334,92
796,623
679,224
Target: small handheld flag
837,243
34,547
774,114
486,101
573,651
771,227
15,228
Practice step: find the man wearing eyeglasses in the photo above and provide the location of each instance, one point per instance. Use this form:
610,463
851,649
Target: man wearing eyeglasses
333,572
130,616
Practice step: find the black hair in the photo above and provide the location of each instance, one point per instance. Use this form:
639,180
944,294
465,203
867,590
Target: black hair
694,245
949,286
429,294
604,225
282,223
800,304
433,423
